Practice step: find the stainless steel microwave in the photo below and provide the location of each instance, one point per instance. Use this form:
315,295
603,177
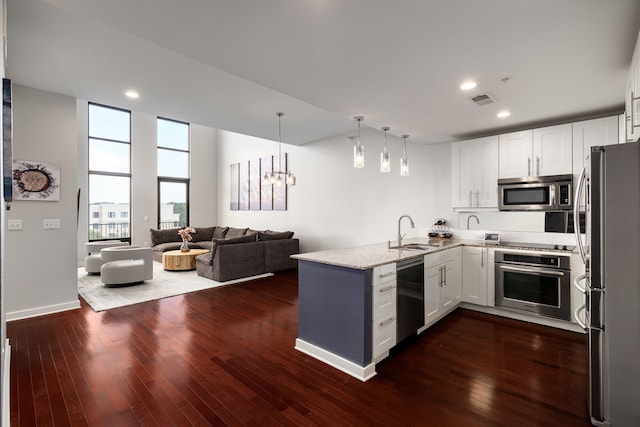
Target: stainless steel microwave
536,193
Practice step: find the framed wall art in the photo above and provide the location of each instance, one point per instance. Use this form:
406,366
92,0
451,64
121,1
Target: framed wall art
34,180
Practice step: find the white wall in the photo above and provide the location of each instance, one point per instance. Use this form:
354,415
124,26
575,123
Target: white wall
40,271
334,205
203,186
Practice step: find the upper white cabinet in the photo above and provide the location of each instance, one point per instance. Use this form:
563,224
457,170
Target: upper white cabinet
515,149
589,133
632,97
474,173
537,152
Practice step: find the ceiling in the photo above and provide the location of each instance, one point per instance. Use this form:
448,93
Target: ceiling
233,64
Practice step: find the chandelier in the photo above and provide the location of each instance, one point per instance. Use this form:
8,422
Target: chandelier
275,177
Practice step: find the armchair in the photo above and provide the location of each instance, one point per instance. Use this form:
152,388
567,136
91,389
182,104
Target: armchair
126,265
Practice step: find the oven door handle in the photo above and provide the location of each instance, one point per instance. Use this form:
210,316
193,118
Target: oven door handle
532,271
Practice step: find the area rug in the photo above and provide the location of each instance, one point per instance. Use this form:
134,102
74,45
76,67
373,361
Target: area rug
164,284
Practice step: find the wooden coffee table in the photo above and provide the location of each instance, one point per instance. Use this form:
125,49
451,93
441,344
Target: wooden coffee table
179,261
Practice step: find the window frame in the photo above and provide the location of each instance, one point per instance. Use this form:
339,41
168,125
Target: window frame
179,180
128,175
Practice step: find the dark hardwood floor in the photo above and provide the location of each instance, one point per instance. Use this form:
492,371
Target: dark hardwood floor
225,356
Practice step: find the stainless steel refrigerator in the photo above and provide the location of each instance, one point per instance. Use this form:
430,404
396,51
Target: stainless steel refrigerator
612,282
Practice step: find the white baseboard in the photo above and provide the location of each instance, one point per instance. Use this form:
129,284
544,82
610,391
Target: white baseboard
40,311
545,321
6,386
363,373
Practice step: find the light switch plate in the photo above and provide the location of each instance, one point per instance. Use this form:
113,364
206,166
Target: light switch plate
50,224
14,224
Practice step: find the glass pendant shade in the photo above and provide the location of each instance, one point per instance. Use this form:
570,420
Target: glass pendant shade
404,161
291,179
358,156
266,179
385,162
358,149
404,166
385,157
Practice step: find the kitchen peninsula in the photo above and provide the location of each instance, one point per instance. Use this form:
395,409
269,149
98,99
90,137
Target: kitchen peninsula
347,301
351,300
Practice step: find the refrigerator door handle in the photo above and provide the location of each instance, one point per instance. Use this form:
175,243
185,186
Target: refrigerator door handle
576,317
576,215
576,283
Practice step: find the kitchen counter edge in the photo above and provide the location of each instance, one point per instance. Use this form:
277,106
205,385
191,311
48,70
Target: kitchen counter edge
374,255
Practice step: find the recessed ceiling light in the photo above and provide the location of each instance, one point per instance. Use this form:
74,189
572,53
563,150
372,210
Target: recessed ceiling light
468,85
131,94
503,114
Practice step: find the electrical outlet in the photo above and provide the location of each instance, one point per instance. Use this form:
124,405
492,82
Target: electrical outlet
14,224
50,224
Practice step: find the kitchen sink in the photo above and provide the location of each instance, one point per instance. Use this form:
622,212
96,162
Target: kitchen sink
417,247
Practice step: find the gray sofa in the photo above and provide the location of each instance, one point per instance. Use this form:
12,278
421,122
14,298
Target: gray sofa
233,252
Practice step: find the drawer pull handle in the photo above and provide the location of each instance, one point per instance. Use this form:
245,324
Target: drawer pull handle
386,322
387,289
382,276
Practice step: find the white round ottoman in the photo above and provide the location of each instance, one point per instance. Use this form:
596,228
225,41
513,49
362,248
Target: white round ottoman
92,263
124,272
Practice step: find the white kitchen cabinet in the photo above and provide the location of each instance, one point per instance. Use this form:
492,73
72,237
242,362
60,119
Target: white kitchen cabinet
474,173
538,152
587,134
443,283
474,275
515,151
384,294
632,97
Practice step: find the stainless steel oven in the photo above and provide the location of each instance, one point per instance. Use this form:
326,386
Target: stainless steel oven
534,282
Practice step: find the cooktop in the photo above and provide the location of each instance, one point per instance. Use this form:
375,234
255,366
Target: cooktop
537,246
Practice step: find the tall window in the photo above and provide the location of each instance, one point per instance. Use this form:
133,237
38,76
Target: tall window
173,173
109,172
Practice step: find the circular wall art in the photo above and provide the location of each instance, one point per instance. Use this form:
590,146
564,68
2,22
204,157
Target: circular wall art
36,181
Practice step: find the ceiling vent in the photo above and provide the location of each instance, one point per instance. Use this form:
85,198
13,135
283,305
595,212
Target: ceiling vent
483,99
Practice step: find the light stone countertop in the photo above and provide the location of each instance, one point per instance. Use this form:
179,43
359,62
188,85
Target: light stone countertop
374,255
369,256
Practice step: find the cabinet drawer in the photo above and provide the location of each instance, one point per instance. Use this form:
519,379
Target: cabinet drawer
437,258
384,273
384,301
384,335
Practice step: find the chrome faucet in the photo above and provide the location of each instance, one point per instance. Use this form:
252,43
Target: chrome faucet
472,216
400,236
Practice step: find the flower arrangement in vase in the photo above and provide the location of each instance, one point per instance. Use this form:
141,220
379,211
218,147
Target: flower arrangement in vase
185,234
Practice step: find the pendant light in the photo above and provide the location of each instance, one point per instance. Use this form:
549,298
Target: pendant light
404,162
358,150
275,177
385,157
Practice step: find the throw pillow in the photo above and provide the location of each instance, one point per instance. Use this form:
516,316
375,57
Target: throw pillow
203,234
220,232
274,235
164,236
222,242
235,232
